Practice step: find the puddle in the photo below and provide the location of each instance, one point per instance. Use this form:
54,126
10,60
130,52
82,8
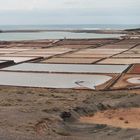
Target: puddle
68,68
54,80
123,118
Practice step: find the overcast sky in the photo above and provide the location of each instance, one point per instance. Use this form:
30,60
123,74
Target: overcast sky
69,11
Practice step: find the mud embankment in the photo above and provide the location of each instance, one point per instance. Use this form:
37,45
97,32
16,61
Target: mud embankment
73,31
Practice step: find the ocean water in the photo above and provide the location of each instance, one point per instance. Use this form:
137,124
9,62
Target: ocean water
59,35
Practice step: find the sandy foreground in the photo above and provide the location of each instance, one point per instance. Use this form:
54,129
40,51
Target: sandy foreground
66,114
33,113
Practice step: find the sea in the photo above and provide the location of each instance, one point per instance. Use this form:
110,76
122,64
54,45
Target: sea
61,35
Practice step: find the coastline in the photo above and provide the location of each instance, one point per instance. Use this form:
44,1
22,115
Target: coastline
70,30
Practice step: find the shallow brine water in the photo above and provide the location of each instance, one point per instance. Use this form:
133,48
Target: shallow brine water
53,80
68,68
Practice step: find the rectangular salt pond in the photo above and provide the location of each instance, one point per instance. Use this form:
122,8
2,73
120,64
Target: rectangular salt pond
113,46
58,60
76,81
69,68
86,55
10,50
74,46
29,55
120,61
127,55
99,51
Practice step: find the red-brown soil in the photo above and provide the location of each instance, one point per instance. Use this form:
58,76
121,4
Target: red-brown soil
124,118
